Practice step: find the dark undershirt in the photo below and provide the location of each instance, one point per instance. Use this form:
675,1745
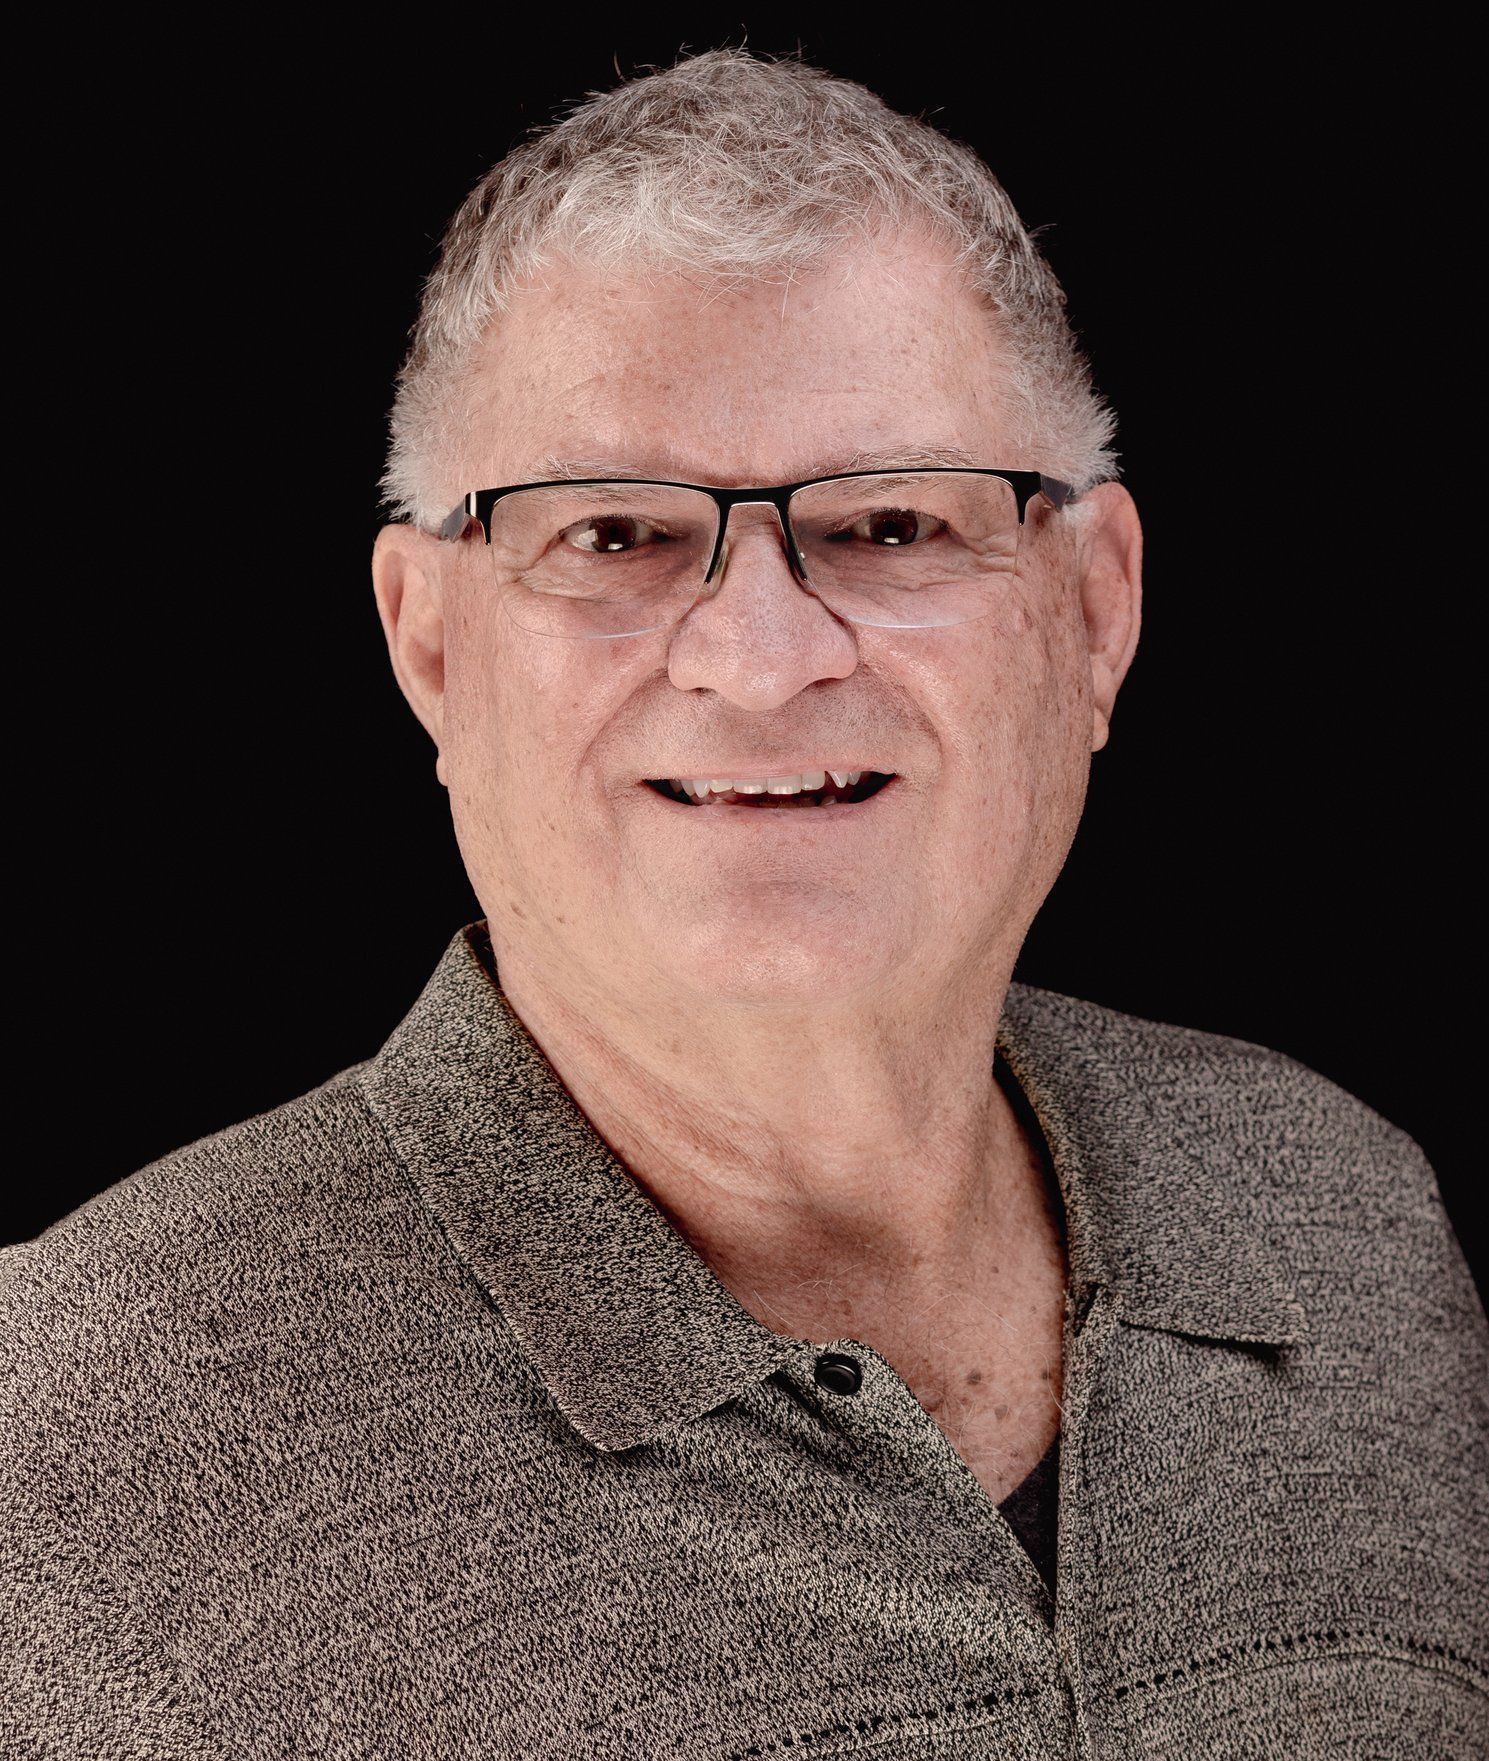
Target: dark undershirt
1031,1509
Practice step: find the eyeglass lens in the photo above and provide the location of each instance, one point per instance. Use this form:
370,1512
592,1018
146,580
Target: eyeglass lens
902,550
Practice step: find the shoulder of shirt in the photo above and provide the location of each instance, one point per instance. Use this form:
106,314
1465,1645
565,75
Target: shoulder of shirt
1179,1069
188,1255
1285,1148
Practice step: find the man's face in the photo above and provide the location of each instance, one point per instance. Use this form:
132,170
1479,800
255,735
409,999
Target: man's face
587,874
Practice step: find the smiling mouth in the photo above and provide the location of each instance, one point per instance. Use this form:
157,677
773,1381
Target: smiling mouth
869,784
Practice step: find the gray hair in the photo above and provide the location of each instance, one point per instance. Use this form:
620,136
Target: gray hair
736,168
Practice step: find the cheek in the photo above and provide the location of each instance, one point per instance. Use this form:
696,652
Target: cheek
521,715
1032,745
489,689
1016,614
468,648
1050,667
1015,661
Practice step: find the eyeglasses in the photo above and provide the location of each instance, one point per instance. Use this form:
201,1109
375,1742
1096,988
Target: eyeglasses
899,550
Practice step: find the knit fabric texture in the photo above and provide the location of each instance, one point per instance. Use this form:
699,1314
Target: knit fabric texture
398,1423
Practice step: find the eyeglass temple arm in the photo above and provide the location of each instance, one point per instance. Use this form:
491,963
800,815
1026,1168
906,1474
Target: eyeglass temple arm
455,521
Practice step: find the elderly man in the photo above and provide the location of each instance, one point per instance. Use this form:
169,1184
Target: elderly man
732,1316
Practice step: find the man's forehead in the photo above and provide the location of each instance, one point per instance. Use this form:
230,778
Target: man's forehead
869,384
670,464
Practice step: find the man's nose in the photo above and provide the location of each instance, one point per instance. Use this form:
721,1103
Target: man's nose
755,634
758,523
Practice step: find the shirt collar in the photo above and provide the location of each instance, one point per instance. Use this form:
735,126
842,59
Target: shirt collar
631,1331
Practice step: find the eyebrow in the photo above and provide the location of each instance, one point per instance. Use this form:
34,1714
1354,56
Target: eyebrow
666,470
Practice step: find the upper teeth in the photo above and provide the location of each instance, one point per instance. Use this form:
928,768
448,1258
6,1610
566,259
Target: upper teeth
809,779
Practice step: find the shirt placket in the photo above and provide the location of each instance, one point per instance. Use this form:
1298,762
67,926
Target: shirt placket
865,1399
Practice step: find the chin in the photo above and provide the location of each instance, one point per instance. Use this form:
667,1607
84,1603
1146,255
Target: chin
776,957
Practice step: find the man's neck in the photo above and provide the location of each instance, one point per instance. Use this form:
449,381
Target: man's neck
894,1178
906,1297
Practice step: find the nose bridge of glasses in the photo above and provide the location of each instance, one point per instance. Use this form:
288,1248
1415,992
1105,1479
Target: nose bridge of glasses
759,514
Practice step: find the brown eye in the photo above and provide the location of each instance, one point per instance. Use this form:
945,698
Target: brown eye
886,527
609,533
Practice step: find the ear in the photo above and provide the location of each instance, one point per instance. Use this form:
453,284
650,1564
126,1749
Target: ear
406,580
1109,549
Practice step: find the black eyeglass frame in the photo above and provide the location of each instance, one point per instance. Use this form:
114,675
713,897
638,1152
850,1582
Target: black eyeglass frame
479,503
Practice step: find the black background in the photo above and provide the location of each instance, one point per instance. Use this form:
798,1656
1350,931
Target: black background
237,867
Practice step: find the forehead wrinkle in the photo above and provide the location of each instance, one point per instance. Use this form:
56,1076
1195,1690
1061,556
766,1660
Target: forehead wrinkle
668,466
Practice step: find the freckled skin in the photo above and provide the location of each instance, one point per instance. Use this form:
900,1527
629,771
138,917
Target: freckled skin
786,1038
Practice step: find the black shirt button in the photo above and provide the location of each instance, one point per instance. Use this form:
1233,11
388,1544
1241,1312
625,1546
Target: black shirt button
839,1374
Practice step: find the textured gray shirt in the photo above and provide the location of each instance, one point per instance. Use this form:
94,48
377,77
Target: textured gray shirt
397,1422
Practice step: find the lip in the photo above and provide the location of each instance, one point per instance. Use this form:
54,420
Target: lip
747,774
734,812
766,777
